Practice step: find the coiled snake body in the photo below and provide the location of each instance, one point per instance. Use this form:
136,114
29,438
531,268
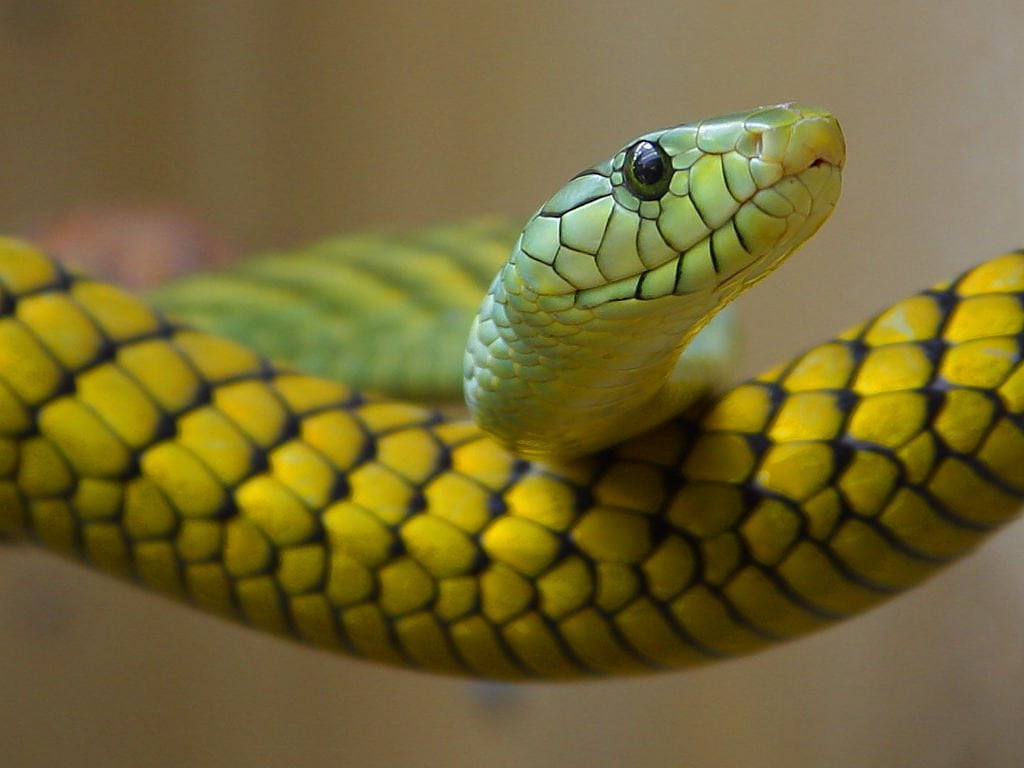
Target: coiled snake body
382,529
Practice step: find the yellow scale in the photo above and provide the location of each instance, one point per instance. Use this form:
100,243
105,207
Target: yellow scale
290,503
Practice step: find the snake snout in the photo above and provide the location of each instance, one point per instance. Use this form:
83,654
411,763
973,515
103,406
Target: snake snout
814,140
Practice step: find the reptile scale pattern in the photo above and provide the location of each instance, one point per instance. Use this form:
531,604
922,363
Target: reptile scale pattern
419,290
189,464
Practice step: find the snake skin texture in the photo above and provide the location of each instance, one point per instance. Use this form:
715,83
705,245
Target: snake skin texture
189,464
419,290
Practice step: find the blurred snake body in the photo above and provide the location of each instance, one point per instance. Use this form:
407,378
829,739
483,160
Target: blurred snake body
292,503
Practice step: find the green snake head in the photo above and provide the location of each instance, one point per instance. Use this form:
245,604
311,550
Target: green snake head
577,345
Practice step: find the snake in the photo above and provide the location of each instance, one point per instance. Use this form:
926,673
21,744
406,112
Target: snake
612,515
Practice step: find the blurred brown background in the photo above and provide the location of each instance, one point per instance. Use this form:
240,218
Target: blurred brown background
284,121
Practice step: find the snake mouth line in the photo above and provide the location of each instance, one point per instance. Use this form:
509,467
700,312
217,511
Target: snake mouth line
667,279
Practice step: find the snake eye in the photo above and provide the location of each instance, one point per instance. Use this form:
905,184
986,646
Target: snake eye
648,170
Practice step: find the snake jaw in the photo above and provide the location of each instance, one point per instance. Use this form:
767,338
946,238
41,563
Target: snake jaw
807,157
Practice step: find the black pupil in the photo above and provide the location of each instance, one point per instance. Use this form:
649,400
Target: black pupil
648,167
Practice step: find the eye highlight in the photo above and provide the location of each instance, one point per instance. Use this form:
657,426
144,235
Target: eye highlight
647,170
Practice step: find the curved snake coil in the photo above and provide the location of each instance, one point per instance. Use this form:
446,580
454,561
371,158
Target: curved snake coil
188,463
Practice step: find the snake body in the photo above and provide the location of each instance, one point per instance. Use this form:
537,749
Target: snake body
382,529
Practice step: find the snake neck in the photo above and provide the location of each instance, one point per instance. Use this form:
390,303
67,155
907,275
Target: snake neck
630,385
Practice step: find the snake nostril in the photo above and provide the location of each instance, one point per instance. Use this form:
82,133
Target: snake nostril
819,162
